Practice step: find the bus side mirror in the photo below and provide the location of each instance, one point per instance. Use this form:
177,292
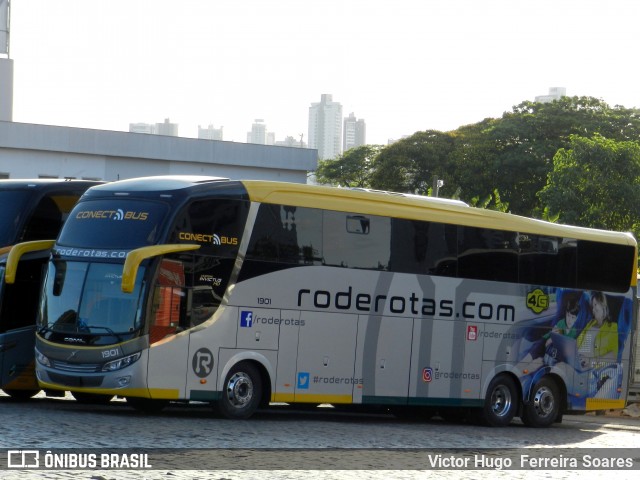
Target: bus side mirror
16,253
135,258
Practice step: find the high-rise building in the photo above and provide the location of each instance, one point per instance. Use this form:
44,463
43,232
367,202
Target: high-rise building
142,128
555,93
291,142
6,66
354,132
209,133
325,127
259,134
167,128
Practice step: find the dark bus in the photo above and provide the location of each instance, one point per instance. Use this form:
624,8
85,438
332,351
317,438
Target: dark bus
32,214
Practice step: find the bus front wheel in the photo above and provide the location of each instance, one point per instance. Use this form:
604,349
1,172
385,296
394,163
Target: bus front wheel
542,408
500,403
241,392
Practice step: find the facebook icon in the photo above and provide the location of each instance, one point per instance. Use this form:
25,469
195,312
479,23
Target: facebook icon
246,319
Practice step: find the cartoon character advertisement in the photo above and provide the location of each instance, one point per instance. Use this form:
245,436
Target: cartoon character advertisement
584,339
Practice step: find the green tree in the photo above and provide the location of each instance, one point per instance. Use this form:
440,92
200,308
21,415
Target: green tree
596,183
498,204
473,167
351,169
515,152
410,165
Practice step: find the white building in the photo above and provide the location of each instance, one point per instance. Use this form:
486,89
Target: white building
555,93
46,151
147,128
259,134
209,133
325,127
354,132
167,128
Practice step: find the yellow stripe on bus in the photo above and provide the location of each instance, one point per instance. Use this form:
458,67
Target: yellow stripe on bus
604,404
315,398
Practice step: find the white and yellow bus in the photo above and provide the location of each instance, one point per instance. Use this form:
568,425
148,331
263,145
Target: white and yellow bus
242,293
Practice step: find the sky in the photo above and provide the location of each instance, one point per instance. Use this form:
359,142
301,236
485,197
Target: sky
401,65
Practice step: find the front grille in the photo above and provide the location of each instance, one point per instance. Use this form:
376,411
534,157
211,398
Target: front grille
75,367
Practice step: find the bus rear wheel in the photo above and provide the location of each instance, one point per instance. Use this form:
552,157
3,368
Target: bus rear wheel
501,402
241,392
543,406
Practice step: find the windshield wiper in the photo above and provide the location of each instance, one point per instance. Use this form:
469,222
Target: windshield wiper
44,329
109,331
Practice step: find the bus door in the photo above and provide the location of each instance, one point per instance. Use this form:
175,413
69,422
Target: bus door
384,359
326,358
168,352
447,361
17,326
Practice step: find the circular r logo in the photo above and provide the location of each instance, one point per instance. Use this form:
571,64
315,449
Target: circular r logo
202,362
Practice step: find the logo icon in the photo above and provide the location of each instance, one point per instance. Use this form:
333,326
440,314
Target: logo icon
216,239
472,332
537,301
303,380
427,374
202,362
246,319
23,459
119,214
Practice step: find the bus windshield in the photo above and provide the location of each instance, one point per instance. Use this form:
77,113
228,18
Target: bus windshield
113,224
102,314
13,203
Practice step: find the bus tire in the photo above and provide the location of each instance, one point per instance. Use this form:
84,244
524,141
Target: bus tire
241,392
20,395
453,414
147,405
91,398
543,406
500,403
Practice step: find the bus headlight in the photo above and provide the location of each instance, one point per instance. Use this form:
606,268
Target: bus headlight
120,363
42,359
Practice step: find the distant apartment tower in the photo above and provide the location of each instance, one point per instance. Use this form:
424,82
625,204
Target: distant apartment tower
167,128
325,127
555,93
6,66
209,133
354,132
142,128
291,142
259,134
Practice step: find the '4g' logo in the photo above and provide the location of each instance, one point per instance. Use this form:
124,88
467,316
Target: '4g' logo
537,301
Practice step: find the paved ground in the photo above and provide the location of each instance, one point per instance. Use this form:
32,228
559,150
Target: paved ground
353,441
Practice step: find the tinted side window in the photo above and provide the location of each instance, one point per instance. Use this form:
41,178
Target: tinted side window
20,300
216,224
605,267
487,254
356,241
45,221
286,234
423,248
538,262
